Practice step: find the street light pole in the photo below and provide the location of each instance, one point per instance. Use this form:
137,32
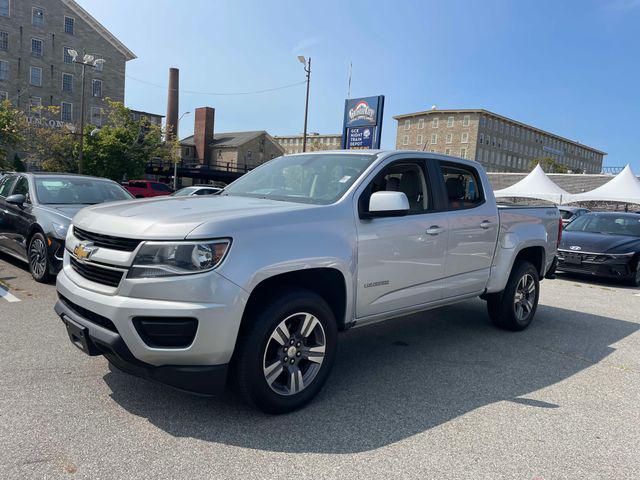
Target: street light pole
175,164
307,69
87,61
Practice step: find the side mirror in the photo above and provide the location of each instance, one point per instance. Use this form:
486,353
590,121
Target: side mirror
388,204
17,199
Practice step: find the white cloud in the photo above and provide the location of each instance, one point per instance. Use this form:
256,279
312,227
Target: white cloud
305,44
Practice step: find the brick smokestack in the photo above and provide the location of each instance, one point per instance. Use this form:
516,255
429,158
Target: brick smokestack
203,133
172,103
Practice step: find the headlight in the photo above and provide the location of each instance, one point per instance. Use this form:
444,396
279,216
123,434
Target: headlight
163,259
59,230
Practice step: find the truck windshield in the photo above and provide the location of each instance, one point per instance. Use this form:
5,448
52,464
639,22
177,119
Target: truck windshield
318,179
78,191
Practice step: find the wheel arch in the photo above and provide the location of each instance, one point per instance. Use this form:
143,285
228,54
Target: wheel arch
534,255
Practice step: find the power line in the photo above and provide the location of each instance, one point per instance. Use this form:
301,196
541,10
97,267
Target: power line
195,92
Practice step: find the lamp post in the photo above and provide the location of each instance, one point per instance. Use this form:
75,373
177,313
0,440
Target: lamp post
175,164
87,61
307,69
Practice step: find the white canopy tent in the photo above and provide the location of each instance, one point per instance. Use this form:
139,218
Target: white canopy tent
623,188
535,185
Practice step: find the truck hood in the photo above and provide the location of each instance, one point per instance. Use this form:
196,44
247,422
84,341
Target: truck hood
172,218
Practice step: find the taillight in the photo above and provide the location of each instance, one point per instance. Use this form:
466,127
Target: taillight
559,231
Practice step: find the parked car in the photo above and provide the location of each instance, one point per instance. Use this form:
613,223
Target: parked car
262,277
196,190
147,188
569,214
36,210
602,244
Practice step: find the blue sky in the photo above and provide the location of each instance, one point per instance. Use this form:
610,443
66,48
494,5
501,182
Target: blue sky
569,67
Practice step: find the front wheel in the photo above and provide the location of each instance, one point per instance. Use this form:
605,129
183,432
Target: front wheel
38,258
286,352
635,280
514,308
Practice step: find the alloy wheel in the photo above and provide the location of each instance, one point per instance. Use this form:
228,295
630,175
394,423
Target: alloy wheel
38,257
524,298
294,353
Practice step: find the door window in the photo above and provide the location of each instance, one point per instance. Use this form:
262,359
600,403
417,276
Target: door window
5,186
406,177
161,187
462,185
22,188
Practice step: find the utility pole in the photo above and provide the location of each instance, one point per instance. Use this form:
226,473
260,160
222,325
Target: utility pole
307,69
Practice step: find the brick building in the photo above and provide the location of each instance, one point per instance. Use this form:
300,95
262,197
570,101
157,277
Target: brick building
36,68
499,143
315,142
232,151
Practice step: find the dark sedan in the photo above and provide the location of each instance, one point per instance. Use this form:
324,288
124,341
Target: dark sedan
36,210
604,244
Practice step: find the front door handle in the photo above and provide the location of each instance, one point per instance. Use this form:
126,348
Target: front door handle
486,224
434,230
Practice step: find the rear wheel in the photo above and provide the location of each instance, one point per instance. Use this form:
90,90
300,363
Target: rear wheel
38,256
514,308
286,353
635,280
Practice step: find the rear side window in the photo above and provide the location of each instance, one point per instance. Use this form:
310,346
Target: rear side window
161,187
5,186
138,184
462,186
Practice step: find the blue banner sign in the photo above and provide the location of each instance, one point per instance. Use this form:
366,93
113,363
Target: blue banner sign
360,138
358,114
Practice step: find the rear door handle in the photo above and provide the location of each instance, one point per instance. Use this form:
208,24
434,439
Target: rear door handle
486,224
434,230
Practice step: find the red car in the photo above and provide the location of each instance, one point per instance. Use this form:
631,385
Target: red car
146,188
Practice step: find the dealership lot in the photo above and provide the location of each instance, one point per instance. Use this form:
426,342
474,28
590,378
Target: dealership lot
440,394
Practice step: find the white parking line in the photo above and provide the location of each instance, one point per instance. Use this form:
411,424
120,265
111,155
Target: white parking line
9,297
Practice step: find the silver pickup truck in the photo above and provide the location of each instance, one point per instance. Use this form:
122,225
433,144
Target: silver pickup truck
253,285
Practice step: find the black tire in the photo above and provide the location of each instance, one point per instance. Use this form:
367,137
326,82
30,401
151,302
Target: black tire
38,257
635,280
257,341
502,307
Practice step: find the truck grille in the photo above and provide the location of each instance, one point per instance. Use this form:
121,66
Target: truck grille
106,241
97,274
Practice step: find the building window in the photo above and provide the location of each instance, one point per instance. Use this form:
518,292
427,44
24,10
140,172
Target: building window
463,153
67,82
421,123
449,137
3,96
466,120
69,24
36,47
405,140
96,116
465,137
447,151
419,140
35,106
450,122
434,138
4,8
4,41
37,16
66,112
4,70
407,124
434,123
96,88
66,56
35,76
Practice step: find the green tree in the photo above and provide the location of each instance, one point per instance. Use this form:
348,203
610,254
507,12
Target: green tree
123,145
18,164
549,165
55,149
13,124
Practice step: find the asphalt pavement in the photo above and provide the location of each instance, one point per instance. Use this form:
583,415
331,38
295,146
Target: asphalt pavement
441,394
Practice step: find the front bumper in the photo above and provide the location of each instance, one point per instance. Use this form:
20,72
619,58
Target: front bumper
612,267
95,339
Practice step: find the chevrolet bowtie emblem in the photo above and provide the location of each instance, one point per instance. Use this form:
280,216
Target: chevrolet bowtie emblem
83,250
